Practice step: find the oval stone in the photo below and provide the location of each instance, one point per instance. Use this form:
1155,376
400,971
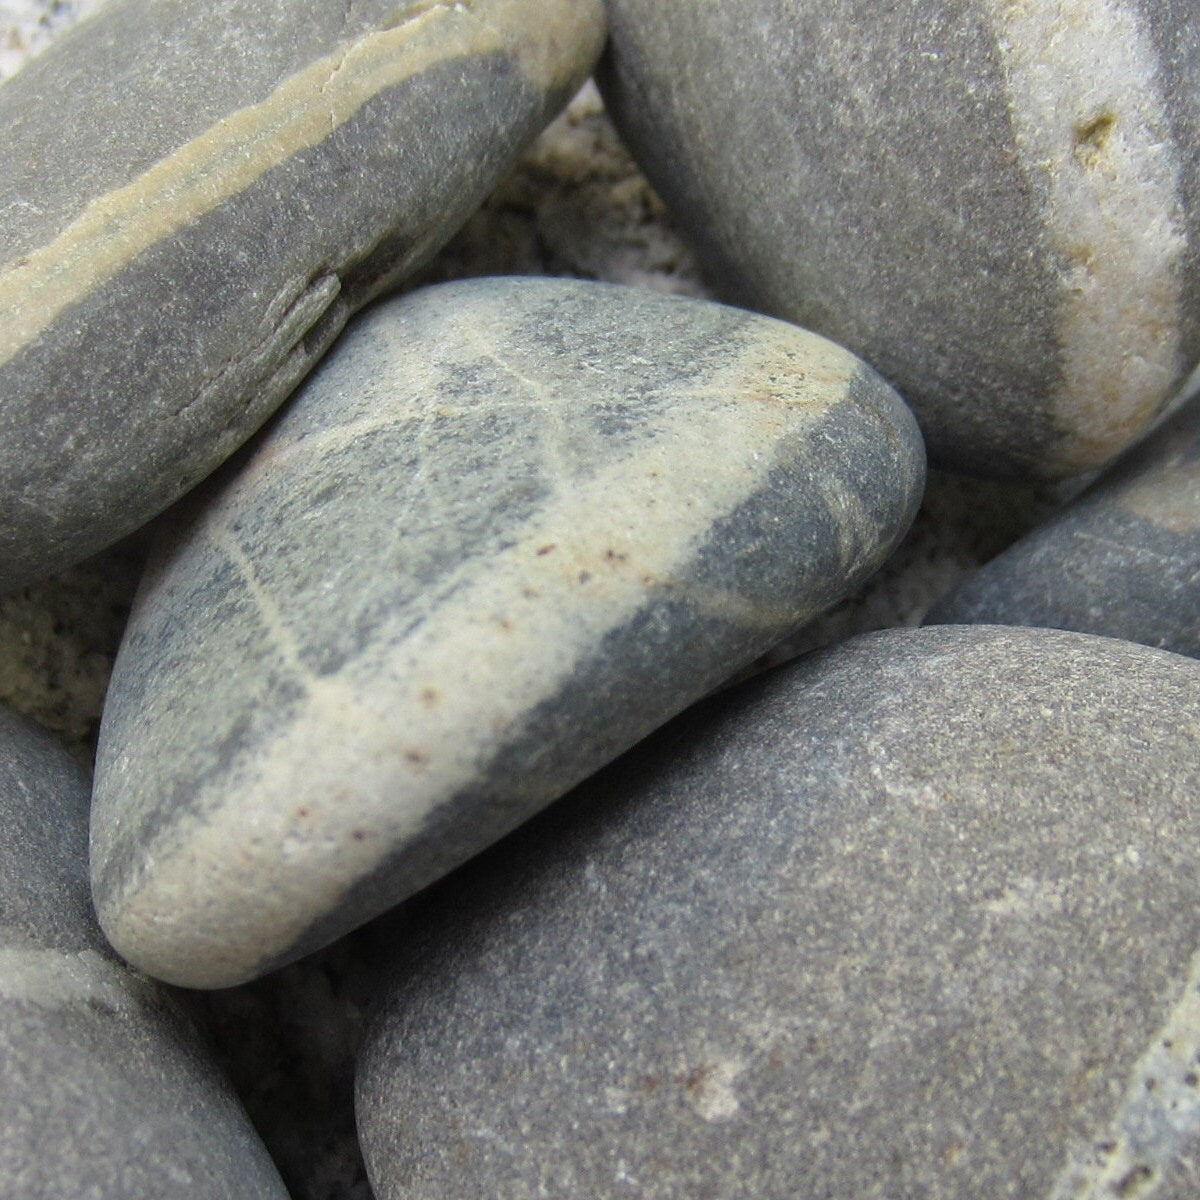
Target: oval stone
107,1090
506,530
916,916
196,196
996,204
1123,560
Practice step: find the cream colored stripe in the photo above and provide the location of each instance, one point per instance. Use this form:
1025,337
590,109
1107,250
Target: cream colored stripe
1092,134
1158,1121
229,157
409,726
56,979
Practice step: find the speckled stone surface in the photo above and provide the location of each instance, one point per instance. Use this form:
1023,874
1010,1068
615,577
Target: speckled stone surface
997,205
575,205
1123,560
197,196
106,1091
916,916
508,528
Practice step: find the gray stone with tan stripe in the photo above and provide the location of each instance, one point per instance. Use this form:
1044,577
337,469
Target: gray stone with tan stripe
917,916
1123,560
195,197
107,1090
996,204
506,529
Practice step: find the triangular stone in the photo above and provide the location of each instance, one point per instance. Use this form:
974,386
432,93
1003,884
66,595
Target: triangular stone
506,530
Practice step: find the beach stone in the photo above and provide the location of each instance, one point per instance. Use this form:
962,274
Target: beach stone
914,916
1123,560
195,199
997,205
106,1089
506,530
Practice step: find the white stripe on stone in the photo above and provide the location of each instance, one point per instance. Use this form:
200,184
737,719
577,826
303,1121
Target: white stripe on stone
58,979
1158,1120
1092,137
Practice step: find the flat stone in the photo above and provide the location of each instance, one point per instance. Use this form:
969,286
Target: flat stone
106,1088
997,205
506,530
1122,561
195,198
916,916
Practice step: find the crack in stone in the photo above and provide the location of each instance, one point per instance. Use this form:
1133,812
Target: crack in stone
269,612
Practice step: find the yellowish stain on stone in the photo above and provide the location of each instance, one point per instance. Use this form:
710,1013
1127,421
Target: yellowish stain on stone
299,114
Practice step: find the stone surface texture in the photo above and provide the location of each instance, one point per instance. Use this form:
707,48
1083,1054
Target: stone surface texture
994,204
106,1088
199,196
561,512
576,205
1123,560
916,916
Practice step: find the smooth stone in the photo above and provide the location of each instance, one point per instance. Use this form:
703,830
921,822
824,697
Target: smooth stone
106,1089
915,916
996,204
506,530
1123,560
197,196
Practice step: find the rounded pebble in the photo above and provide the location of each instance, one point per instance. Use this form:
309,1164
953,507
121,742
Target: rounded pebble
995,204
197,196
507,529
107,1090
916,916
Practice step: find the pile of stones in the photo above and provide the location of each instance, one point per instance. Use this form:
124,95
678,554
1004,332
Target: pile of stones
915,915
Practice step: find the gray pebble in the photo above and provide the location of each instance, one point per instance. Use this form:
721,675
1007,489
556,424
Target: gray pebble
105,1089
1122,561
507,529
915,917
996,204
196,196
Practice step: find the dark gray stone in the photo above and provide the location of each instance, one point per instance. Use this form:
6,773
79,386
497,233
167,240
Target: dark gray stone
914,917
105,1089
997,205
196,196
506,530
1122,561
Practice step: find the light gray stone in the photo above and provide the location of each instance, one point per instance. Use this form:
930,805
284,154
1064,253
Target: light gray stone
507,529
196,196
1122,561
915,917
104,1088
997,205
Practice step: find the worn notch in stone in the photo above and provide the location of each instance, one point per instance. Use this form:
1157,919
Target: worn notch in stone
195,199
107,1089
915,916
507,529
996,204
